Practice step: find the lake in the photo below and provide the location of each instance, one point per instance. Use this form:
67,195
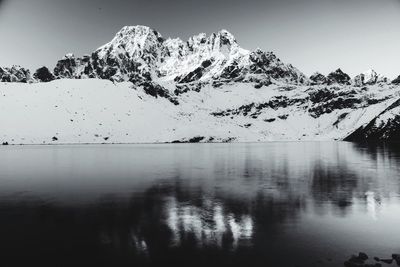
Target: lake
249,204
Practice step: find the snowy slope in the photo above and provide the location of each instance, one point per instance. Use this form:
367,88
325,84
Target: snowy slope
99,111
384,127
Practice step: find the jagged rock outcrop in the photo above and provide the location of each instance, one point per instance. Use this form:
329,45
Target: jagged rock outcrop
214,55
384,127
15,74
74,68
339,77
396,81
43,75
318,79
66,67
134,52
262,63
157,90
369,77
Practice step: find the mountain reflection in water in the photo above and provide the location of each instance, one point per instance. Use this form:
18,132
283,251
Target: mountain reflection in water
273,204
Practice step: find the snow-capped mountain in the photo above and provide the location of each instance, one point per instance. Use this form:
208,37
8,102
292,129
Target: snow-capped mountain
338,77
141,87
138,54
369,77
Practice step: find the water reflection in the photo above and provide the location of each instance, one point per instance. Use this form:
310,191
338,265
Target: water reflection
208,224
277,204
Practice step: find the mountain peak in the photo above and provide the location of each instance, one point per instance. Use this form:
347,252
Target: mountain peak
227,36
369,77
140,54
133,40
223,41
69,56
339,71
370,71
339,77
137,30
139,33
318,78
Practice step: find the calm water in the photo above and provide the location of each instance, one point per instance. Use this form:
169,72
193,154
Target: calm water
273,204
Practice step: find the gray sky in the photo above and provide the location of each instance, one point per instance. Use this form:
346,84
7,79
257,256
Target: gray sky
311,34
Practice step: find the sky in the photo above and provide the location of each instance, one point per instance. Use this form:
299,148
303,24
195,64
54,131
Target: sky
313,35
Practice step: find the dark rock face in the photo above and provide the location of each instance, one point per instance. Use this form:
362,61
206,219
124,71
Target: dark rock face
132,55
337,103
255,109
396,81
192,76
113,69
66,67
322,95
268,64
339,77
363,256
255,73
110,67
396,257
43,75
184,88
360,261
328,99
387,261
15,74
377,131
231,72
318,79
388,131
156,90
196,139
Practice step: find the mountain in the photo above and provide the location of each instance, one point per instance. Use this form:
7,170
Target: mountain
339,77
369,77
140,54
318,79
43,74
141,87
15,74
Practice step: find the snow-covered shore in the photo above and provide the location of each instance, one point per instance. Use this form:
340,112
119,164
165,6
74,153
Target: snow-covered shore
94,111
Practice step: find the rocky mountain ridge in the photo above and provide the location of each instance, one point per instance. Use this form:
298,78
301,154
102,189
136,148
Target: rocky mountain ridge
139,53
